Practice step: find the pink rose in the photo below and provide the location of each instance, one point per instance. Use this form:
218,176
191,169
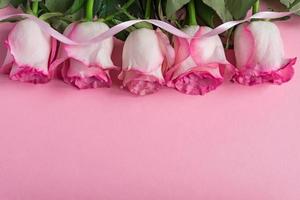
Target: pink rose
199,63
30,52
5,28
87,66
146,54
259,55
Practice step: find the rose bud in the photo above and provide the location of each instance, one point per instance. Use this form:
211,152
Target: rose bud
86,66
146,54
199,62
30,52
259,55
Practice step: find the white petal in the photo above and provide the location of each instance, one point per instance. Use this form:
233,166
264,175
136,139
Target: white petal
269,45
244,47
93,54
206,50
29,45
142,51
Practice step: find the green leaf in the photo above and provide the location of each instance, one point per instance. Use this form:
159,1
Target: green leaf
77,5
16,3
97,6
58,5
220,8
287,3
295,3
48,16
239,8
174,5
105,8
4,3
206,14
12,19
292,5
59,24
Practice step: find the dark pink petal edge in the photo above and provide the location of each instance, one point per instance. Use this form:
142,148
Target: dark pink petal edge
88,82
97,80
253,77
196,82
140,83
30,75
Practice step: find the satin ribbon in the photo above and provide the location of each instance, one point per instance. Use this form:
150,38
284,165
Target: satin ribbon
163,25
44,26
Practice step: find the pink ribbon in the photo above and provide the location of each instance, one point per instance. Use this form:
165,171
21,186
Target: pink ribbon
171,29
44,26
261,15
163,25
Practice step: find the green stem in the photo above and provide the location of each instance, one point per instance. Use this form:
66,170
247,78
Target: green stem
256,7
148,9
90,10
192,13
35,7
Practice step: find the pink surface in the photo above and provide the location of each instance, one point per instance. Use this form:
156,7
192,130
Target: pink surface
238,142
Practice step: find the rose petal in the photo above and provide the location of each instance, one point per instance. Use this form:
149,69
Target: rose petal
7,63
142,51
197,82
5,28
260,55
207,50
201,67
253,77
28,74
98,54
83,77
140,83
144,54
167,50
244,47
30,46
117,52
268,45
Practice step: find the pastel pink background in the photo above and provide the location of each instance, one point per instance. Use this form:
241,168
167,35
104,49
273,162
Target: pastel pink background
237,143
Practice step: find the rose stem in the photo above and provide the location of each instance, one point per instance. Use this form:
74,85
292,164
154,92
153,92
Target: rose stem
35,7
256,7
90,10
192,13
